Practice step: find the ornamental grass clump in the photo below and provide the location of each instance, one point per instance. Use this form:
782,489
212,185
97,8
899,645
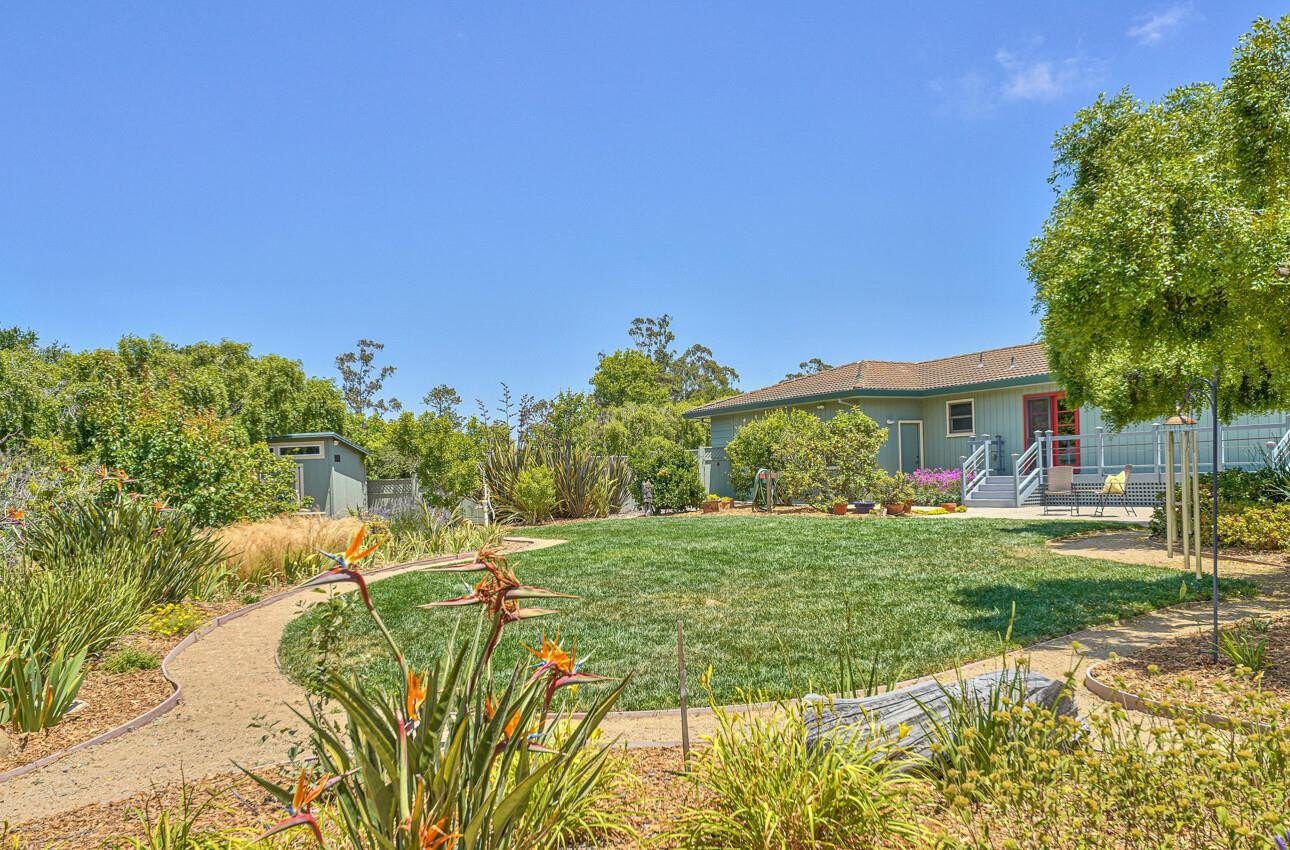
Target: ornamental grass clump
760,786
458,756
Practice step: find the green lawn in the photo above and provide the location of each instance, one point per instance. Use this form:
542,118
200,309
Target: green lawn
766,600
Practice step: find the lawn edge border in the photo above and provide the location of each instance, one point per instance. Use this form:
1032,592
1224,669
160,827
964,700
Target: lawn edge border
1145,705
177,694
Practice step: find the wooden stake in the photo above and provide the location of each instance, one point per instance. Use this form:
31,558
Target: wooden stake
685,712
1195,501
1183,438
1170,504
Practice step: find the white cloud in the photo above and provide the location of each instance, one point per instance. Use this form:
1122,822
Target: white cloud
1153,28
1043,79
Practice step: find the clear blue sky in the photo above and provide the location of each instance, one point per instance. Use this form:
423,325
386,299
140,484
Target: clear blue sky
495,190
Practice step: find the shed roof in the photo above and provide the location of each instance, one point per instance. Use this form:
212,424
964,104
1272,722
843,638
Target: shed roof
995,365
317,435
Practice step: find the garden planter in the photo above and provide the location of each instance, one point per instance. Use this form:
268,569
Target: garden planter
949,507
840,508
725,505
709,507
895,509
909,505
864,507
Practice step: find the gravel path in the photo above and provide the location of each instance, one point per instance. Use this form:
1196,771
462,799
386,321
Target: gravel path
230,679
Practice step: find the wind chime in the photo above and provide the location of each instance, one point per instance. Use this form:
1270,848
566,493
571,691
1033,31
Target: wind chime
1182,451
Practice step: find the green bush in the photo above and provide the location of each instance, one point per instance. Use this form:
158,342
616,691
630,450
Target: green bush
673,470
172,558
535,494
1246,525
854,441
792,442
131,658
586,484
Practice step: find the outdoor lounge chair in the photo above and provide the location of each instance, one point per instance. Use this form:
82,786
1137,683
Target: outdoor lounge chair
1059,492
1116,485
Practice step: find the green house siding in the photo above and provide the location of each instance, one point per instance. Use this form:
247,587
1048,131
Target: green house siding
334,480
997,412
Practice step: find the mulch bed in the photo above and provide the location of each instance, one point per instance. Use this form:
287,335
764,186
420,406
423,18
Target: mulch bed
1182,671
111,699
240,803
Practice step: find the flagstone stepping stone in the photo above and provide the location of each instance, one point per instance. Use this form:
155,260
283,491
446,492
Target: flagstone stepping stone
841,719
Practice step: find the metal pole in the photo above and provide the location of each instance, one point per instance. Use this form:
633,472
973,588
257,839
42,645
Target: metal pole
685,713
1101,450
1213,493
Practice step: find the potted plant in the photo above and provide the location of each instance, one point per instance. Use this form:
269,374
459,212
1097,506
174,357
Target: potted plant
894,492
727,503
863,506
840,507
711,505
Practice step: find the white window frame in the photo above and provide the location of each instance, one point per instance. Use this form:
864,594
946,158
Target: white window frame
322,451
951,433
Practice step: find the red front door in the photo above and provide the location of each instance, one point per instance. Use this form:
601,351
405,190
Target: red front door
1048,411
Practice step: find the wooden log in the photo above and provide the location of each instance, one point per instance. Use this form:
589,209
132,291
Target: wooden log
841,719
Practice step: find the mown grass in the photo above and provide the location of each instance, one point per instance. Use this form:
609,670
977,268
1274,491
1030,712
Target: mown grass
769,602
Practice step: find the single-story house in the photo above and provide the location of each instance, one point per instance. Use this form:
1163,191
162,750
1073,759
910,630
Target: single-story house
998,411
331,477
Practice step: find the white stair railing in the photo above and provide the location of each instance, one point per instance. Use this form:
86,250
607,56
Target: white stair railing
974,468
1027,472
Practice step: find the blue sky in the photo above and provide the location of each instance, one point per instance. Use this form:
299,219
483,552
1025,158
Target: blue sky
495,190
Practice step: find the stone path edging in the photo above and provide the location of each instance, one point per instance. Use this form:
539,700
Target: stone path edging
177,694
1135,702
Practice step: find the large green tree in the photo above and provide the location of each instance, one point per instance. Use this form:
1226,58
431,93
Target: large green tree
628,377
1165,256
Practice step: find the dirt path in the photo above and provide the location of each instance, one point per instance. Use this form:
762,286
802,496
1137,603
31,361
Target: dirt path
230,680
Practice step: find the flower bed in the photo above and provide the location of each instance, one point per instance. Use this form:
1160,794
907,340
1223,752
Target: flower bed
1182,672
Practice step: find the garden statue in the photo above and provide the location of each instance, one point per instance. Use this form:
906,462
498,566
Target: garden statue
647,498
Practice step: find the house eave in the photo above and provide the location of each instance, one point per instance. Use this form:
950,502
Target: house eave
860,393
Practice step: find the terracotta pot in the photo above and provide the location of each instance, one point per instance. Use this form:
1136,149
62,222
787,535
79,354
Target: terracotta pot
709,507
725,506
895,509
909,504
840,508
949,507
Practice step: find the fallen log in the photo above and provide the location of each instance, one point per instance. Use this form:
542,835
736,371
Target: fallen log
829,720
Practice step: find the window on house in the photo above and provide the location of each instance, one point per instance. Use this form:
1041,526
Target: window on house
959,417
300,451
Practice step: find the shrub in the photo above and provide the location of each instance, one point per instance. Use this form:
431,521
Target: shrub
84,605
1246,525
173,620
673,470
854,441
792,442
131,658
535,494
586,484
760,786
936,486
165,549
889,489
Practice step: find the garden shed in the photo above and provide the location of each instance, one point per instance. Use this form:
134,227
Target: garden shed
331,477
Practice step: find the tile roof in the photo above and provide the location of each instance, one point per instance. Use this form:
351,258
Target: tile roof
978,367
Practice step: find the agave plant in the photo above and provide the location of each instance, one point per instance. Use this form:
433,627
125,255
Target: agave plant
457,758
36,692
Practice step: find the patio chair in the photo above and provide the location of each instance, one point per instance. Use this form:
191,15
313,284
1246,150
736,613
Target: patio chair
1116,485
1059,490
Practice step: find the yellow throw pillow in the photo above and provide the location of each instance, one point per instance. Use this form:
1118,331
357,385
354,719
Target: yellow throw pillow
1114,484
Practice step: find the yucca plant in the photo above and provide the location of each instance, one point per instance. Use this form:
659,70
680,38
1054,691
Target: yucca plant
458,757
37,692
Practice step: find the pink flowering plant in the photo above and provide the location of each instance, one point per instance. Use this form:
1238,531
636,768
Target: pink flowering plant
936,486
